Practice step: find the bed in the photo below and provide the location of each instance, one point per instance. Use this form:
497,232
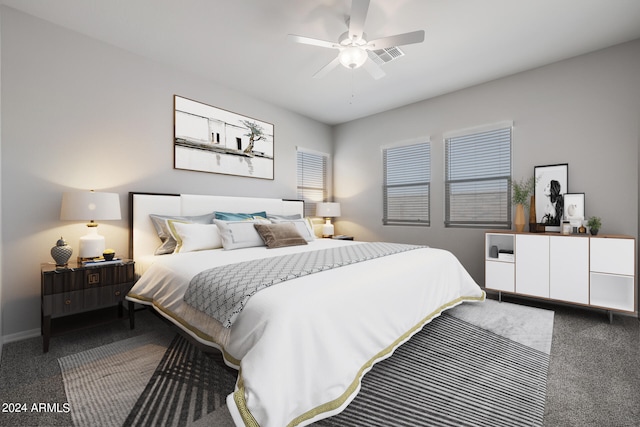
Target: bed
302,342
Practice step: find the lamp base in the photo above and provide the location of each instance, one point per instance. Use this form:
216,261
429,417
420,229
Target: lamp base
327,228
92,244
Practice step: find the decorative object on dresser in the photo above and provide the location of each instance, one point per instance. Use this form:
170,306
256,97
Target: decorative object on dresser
61,252
551,181
90,206
574,210
76,289
521,192
594,225
328,210
591,271
209,139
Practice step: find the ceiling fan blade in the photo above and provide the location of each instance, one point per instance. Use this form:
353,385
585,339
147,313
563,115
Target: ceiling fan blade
313,42
397,40
359,9
325,70
373,69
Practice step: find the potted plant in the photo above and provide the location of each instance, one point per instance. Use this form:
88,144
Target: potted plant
594,224
521,193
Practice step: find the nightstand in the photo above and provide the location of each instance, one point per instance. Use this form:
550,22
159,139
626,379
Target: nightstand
76,290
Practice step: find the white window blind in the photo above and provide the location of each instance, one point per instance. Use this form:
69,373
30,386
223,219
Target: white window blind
312,179
477,185
406,188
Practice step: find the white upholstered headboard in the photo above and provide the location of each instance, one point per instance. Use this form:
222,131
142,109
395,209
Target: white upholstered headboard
143,237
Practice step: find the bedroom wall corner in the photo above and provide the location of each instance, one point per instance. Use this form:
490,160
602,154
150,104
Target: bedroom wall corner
99,117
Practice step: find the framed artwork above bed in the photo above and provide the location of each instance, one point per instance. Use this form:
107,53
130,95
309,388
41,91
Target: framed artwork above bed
210,139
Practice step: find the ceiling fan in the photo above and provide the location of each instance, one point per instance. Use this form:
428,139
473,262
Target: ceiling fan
353,44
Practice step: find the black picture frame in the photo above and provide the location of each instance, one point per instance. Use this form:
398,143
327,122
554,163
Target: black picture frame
551,183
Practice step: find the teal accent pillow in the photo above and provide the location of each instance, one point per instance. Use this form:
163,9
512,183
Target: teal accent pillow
234,216
284,217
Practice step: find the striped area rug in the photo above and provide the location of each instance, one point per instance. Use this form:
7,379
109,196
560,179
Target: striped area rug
187,386
475,365
452,373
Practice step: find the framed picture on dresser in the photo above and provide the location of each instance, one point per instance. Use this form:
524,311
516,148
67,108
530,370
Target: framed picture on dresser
552,182
574,211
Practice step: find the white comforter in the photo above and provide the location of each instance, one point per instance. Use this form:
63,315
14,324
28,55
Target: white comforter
303,346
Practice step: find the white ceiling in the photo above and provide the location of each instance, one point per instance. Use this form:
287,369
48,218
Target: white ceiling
243,44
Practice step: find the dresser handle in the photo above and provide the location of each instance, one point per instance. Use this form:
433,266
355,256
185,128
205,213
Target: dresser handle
117,293
67,302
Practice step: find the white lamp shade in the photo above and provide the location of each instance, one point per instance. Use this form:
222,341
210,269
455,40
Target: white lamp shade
328,209
90,206
353,56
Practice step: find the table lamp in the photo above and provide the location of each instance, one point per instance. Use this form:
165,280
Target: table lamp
90,206
328,210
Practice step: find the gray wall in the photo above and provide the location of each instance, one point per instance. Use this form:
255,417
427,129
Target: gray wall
80,114
1,246
582,111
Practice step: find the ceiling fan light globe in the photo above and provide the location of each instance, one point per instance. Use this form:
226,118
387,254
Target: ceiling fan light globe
353,56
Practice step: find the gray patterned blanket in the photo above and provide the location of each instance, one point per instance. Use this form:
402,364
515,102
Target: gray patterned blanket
222,292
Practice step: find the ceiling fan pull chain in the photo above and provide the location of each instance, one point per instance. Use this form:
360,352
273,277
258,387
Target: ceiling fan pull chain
352,71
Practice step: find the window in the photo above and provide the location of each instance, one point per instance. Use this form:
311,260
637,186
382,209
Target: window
407,176
477,172
312,179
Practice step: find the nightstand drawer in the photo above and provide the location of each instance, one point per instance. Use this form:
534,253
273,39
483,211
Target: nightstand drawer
62,281
62,304
105,296
69,280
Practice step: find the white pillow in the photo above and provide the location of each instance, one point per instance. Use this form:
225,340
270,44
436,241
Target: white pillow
302,225
240,234
194,237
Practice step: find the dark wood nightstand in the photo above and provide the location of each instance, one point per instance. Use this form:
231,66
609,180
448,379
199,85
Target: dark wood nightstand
76,289
342,237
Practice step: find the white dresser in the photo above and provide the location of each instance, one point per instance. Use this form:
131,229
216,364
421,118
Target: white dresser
594,271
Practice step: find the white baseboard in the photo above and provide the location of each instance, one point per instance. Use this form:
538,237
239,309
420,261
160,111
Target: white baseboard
19,336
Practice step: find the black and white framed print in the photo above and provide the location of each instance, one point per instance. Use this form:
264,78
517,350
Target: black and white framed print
552,181
210,139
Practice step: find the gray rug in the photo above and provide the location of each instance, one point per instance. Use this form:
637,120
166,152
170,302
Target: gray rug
478,364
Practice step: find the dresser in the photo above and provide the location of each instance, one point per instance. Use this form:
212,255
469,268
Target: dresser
594,271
